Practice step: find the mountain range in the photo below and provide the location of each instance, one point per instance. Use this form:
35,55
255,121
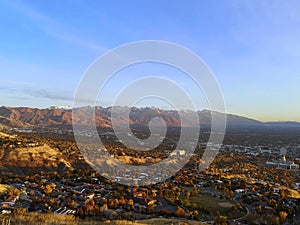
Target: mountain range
60,116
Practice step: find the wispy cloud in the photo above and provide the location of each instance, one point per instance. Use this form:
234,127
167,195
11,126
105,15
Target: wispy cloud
8,82
49,94
26,90
30,91
52,28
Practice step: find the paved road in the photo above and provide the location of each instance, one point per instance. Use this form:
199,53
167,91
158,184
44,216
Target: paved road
248,207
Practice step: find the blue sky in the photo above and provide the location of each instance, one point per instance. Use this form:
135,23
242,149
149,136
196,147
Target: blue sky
253,48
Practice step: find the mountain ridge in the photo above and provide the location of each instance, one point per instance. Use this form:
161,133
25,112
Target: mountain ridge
26,117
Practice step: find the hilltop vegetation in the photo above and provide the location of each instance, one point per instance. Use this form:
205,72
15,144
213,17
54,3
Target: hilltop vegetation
6,189
54,219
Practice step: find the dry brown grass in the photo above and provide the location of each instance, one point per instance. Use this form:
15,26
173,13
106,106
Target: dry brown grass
292,193
54,219
5,135
37,155
138,161
37,219
5,188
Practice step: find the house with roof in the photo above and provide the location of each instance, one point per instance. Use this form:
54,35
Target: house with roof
11,200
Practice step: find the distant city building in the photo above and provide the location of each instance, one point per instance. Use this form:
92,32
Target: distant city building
178,153
282,164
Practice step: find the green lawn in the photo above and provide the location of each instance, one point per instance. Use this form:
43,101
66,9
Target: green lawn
204,202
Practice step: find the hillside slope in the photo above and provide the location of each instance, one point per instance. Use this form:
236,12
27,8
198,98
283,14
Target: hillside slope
25,116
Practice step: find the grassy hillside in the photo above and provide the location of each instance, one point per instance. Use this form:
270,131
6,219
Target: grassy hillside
4,189
54,219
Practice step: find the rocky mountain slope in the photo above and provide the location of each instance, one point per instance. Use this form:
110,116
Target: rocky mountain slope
25,116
